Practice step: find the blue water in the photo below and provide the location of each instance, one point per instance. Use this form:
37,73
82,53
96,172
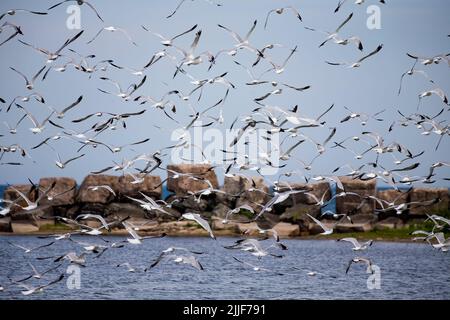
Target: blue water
407,271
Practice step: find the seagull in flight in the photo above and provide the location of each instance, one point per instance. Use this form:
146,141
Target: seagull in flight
357,63
168,253
182,1
166,41
30,290
202,222
341,2
280,11
28,250
79,2
29,84
357,246
113,29
360,260
13,12
17,30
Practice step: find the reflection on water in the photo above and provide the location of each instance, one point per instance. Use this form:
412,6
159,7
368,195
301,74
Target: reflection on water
408,271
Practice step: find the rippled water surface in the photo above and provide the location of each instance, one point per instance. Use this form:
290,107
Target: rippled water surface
408,271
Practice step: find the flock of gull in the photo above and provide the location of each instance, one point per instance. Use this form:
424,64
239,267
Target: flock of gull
273,119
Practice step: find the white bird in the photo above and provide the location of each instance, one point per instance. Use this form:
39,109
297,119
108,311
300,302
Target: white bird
137,239
62,164
166,41
150,204
166,253
36,274
256,268
105,187
242,43
182,1
437,91
72,257
359,2
13,12
360,260
38,127
128,266
202,222
29,84
357,246
30,204
30,290
61,114
94,216
254,247
113,29
326,230
280,11
79,2
28,250
357,63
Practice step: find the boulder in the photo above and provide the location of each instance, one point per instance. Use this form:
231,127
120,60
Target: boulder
5,224
64,186
217,224
86,195
22,227
123,210
287,230
255,194
364,218
151,186
183,184
221,210
349,203
426,194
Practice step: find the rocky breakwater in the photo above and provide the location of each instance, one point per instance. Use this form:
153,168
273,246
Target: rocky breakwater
229,208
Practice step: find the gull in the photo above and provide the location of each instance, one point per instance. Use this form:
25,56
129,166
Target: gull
237,210
30,204
116,149
202,222
435,218
166,41
29,84
356,245
341,2
443,243
95,216
127,265
278,197
411,72
137,239
62,164
95,248
166,253
72,257
38,97
52,56
337,215
360,260
430,60
287,154
255,80
63,112
28,250
335,36
79,2
182,1
36,274
113,29
400,208
280,68
106,187
300,89
126,95
17,30
5,210
326,230
363,117
437,91
12,12
242,43
13,130
276,91
256,268
189,57
357,63
280,11
190,260
428,235
254,247
30,290
149,204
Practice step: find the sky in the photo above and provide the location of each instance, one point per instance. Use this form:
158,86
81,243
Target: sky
413,26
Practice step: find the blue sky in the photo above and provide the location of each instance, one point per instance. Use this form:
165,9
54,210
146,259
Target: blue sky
418,27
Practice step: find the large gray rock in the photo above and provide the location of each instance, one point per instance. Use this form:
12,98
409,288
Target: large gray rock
44,211
183,184
103,196
427,194
389,223
63,185
350,203
151,186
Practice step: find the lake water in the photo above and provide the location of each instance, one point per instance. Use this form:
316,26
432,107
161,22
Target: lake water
407,271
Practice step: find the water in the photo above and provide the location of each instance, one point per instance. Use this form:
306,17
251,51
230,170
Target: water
408,271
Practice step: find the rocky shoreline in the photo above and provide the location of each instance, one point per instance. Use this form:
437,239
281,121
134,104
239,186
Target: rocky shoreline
187,181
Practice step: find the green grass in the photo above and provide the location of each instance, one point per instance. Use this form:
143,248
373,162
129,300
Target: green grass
54,227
